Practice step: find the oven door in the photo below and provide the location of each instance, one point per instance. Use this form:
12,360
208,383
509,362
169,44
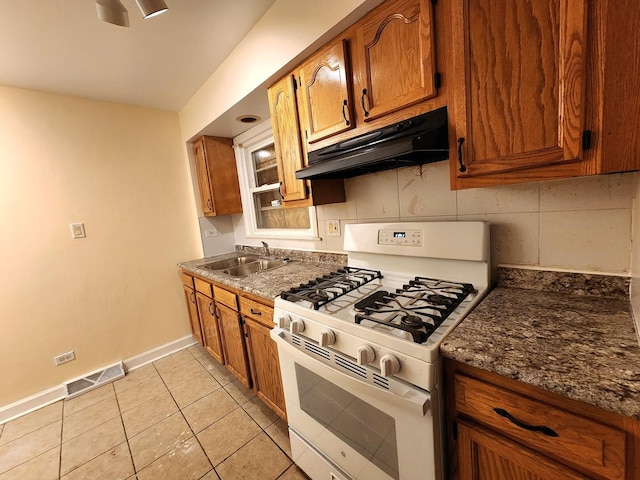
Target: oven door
365,430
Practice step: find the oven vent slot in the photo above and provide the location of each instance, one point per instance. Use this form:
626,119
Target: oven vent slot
350,366
296,340
381,381
319,351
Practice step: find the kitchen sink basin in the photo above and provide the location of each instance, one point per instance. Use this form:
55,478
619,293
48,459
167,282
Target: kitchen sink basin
231,262
256,266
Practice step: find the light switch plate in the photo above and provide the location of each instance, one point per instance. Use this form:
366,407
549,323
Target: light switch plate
77,230
333,228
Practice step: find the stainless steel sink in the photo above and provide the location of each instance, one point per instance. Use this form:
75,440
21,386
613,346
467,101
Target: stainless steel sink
231,262
257,266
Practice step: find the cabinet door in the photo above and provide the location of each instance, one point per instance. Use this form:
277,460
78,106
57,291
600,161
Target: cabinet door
325,93
286,138
190,297
396,58
484,455
265,367
210,330
202,172
519,80
233,344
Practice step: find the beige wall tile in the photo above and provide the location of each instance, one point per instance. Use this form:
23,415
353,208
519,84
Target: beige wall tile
42,467
30,446
504,199
591,240
376,195
338,211
424,191
596,192
30,422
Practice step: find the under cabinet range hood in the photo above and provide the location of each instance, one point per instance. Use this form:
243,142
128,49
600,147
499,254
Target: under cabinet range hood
418,140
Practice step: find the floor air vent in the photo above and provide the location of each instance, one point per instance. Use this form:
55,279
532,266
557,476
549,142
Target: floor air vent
94,380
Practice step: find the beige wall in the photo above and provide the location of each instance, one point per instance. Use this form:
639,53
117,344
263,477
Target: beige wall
282,34
581,224
122,171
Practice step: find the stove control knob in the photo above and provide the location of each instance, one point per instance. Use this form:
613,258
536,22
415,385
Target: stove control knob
389,365
327,337
365,355
296,326
283,322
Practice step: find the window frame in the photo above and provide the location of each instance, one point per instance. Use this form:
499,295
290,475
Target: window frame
244,144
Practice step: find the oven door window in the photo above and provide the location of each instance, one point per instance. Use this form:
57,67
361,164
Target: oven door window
368,430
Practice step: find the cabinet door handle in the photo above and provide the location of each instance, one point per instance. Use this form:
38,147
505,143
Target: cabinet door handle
344,113
532,428
364,94
211,310
280,189
192,297
462,166
255,312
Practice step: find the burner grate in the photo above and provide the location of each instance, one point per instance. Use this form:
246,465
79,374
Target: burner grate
324,289
418,308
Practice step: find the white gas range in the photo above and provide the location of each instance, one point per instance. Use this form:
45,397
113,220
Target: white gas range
359,349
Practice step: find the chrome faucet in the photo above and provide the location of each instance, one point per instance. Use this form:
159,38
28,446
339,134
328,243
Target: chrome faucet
266,249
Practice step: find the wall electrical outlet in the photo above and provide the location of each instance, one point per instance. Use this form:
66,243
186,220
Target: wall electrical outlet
333,228
64,358
77,230
211,232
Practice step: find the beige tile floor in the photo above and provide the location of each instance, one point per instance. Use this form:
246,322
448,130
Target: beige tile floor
182,417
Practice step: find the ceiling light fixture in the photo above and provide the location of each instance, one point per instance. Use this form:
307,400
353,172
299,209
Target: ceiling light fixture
112,11
151,8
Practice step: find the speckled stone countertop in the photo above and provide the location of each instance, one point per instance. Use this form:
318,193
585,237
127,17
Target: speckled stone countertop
303,267
571,334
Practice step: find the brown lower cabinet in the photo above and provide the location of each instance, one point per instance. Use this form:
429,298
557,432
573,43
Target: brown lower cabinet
499,428
234,327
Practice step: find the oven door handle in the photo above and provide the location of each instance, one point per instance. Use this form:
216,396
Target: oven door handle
411,399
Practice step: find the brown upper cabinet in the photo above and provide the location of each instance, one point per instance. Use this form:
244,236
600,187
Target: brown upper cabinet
325,93
217,176
534,83
291,153
394,58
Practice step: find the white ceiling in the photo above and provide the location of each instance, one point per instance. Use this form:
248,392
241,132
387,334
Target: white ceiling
60,46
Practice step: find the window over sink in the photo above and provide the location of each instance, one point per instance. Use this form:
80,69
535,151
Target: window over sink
264,214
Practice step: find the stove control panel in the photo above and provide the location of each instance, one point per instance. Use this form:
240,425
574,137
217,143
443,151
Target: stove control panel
405,238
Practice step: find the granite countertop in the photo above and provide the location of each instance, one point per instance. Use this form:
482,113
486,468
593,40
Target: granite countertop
302,267
571,334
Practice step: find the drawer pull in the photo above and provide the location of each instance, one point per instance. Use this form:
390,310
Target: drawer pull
255,312
532,428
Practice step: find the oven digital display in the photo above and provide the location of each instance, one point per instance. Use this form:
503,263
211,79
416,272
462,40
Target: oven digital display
399,234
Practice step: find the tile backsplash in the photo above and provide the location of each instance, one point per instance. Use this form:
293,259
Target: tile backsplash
581,224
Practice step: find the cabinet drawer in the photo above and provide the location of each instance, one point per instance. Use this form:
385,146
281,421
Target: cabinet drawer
225,297
256,310
576,440
203,287
186,279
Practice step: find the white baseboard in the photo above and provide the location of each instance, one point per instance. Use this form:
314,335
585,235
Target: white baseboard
46,397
